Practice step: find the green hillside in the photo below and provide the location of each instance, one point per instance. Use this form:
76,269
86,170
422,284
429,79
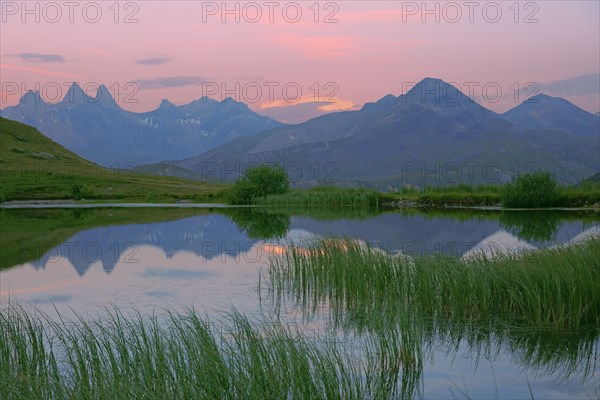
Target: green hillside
33,167
591,181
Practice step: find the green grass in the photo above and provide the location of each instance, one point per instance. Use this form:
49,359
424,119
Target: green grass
543,307
556,289
489,195
459,195
590,182
325,196
573,196
33,167
119,356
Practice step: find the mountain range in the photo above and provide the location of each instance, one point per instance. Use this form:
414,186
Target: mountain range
432,135
98,129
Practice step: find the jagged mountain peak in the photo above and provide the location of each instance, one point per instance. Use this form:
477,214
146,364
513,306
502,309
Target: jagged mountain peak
75,94
231,102
204,99
31,97
165,103
99,129
104,96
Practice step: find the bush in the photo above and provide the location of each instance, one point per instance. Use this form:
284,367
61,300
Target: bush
535,190
80,192
259,181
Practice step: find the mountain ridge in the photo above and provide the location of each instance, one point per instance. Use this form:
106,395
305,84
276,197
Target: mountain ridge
98,129
377,144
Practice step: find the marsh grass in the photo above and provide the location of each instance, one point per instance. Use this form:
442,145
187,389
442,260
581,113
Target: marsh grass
491,195
324,197
543,307
122,356
557,288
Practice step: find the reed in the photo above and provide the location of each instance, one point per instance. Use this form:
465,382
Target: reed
551,288
324,197
120,356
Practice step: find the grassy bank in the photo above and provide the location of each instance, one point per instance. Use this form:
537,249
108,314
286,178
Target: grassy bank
487,195
458,195
184,356
33,167
552,289
325,196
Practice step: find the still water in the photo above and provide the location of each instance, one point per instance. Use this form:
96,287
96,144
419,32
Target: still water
82,260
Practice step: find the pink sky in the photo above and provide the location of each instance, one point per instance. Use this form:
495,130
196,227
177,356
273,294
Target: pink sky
174,51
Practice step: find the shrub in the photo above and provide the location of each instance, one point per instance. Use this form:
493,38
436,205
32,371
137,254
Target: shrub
259,181
538,189
80,192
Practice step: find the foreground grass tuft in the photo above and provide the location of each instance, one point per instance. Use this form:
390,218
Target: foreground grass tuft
182,356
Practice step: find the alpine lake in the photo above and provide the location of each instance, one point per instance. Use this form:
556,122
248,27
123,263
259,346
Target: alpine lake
77,263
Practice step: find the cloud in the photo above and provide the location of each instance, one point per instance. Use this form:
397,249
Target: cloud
40,57
303,110
381,15
97,52
40,71
319,46
247,78
170,82
322,103
576,86
153,61
50,299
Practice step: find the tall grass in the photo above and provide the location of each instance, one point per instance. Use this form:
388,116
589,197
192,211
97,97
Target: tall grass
550,288
542,307
460,188
186,356
491,195
324,196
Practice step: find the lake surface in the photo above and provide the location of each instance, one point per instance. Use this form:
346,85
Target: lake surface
212,260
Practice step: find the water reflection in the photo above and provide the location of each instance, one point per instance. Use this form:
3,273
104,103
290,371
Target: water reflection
536,226
39,238
80,259
259,223
207,236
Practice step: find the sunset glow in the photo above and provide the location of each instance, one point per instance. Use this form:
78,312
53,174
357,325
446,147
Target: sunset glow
368,49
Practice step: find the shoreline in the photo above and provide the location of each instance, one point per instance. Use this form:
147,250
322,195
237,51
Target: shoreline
48,204
41,204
